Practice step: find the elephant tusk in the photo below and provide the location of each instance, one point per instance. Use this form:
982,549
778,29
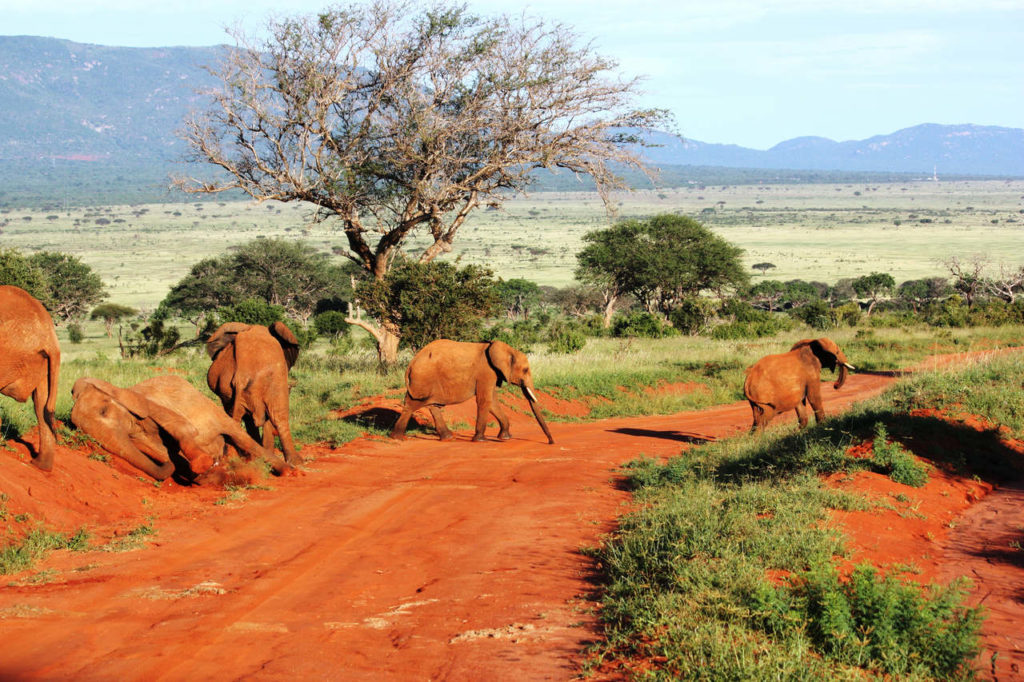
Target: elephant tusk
529,394
849,366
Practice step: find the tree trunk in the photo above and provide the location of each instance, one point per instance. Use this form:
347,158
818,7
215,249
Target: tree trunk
609,309
387,346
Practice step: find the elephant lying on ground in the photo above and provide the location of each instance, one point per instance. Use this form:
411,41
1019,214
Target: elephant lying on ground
788,381
30,363
448,372
155,422
250,375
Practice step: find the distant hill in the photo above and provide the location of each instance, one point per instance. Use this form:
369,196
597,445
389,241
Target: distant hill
100,123
945,149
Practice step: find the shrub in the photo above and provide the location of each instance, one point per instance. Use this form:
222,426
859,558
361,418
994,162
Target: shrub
641,324
252,311
848,314
897,463
566,338
816,315
521,334
75,333
332,324
692,316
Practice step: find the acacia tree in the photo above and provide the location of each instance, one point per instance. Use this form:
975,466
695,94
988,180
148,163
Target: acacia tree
389,119
874,287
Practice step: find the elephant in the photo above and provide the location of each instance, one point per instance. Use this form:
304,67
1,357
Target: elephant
787,381
447,372
250,375
30,363
151,423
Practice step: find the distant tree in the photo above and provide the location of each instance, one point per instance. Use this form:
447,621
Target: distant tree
292,275
918,293
767,293
842,291
968,277
874,287
1007,284
763,267
17,270
518,297
432,300
252,311
392,119
798,293
111,313
575,300
73,287
661,261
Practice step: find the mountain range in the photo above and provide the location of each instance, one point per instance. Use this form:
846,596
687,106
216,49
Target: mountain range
122,106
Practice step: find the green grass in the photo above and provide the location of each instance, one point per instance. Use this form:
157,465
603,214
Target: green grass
686,577
15,557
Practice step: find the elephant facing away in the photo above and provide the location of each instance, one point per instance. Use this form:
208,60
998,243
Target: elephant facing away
249,373
152,423
30,363
448,372
792,381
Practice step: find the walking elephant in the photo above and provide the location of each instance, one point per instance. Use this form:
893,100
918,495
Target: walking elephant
30,363
250,375
154,422
448,372
788,381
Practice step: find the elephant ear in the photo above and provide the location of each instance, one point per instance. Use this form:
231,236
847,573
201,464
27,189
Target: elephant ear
289,344
224,337
501,357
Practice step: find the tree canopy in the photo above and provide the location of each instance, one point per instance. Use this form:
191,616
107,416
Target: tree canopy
65,285
389,119
661,261
292,275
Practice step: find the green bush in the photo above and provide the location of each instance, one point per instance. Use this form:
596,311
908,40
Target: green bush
692,315
816,315
522,334
75,333
642,325
252,311
567,339
897,463
847,314
332,325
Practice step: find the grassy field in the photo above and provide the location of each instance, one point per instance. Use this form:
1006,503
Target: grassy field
811,232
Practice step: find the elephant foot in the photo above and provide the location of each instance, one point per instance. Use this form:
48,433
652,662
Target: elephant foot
505,436
478,438
447,435
201,463
396,436
43,463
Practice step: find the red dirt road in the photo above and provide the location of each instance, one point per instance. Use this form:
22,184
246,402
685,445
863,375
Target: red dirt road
385,560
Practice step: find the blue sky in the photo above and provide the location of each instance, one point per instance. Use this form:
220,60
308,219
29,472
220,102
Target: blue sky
748,72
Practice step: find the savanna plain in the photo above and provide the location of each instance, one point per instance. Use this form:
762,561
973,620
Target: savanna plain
655,540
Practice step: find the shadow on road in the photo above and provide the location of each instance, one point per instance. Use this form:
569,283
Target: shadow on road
666,435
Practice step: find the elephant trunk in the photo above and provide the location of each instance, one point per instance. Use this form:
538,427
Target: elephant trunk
532,399
843,366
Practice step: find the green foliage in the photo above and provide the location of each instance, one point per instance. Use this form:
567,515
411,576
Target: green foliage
72,286
521,334
433,300
817,315
642,325
75,333
566,338
896,462
518,296
279,272
661,260
331,324
748,322
692,315
16,270
252,311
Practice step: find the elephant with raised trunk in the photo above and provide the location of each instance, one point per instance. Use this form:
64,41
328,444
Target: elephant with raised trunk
159,422
448,372
249,373
30,363
792,381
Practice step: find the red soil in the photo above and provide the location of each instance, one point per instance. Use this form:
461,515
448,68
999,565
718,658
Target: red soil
385,560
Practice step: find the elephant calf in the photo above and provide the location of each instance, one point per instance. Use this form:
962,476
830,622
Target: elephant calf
448,372
158,420
792,381
249,373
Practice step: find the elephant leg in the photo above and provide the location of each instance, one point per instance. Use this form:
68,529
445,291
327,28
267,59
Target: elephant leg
439,424
254,432
815,401
803,414
121,445
503,422
484,402
284,431
410,406
47,441
762,415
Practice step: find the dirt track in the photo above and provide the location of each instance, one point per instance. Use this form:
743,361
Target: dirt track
414,560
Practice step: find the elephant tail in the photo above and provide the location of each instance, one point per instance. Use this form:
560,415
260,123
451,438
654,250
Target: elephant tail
53,374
